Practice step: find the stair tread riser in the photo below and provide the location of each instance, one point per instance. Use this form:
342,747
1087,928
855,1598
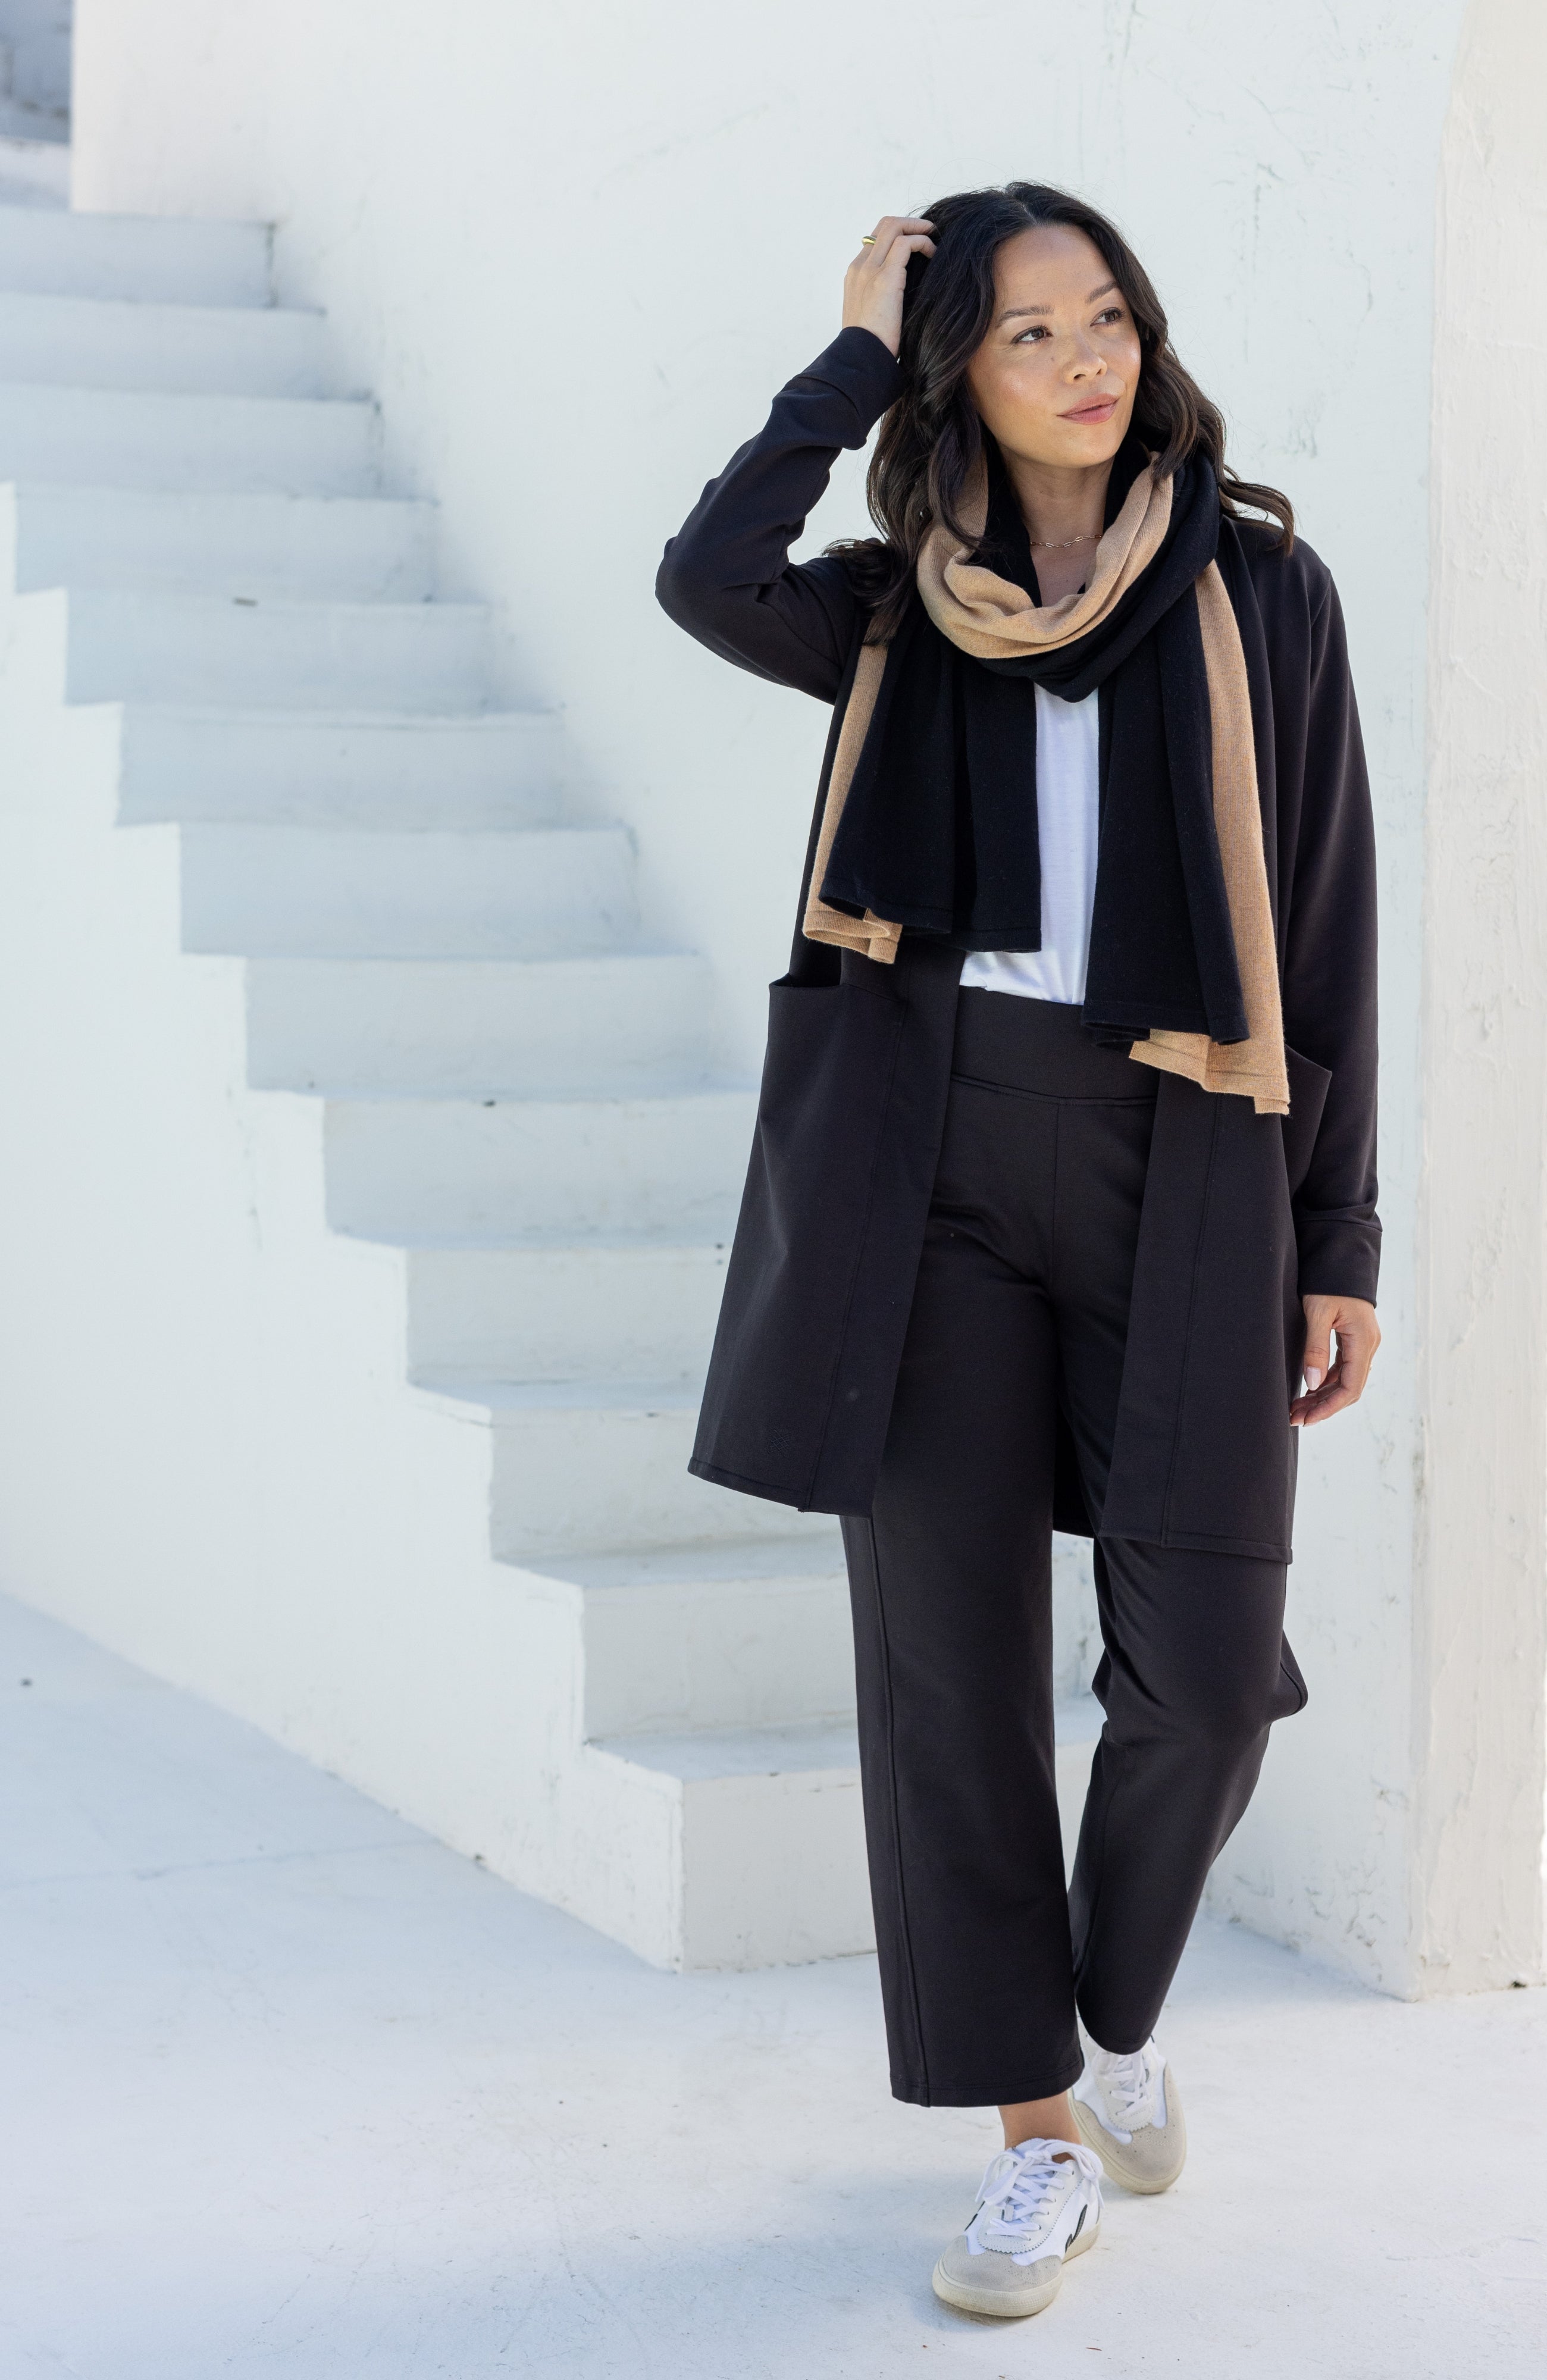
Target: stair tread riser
475,770
35,160
435,897
359,549
153,258
172,649
569,1314
759,1871
745,1654
771,1856
231,445
582,1481
75,342
604,1025
510,1168
802,1750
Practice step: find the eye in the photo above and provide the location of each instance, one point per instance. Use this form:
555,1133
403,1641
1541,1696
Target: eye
1035,331
1111,314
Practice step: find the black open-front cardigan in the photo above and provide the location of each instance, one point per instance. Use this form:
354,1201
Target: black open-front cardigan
1243,1214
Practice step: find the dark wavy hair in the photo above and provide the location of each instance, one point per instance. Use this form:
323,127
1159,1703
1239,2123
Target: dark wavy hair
933,436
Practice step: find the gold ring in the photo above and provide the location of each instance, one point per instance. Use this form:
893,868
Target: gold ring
867,240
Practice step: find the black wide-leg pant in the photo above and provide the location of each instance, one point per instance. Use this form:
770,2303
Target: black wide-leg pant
1022,1308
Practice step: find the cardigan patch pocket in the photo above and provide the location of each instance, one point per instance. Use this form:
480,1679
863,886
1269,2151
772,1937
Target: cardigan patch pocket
826,1081
1309,1086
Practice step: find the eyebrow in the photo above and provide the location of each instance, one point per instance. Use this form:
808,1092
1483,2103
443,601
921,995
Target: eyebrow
1013,313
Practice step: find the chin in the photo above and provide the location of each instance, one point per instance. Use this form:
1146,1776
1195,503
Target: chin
1098,445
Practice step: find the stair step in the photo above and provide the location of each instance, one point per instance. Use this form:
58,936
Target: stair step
359,549
581,1467
140,438
622,1310
120,343
763,1865
742,1634
408,1169
608,1025
473,895
707,1755
337,768
34,157
147,257
190,648
515,1094
765,1829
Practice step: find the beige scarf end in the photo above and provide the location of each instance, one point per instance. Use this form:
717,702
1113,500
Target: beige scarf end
873,937
1236,1066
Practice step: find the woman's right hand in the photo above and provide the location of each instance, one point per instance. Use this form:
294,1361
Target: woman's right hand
874,283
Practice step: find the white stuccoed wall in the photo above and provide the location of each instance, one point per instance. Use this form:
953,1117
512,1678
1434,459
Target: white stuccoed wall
1480,1632
576,251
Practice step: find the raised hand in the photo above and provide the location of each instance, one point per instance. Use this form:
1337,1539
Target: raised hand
874,283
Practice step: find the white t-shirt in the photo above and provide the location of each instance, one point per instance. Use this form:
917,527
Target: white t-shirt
1068,810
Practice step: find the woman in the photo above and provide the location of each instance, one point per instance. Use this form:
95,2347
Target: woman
1064,1178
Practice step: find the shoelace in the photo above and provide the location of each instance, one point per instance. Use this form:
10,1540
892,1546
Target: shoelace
1021,2190
1128,2084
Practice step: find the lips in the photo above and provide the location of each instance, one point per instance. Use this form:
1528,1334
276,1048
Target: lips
1102,410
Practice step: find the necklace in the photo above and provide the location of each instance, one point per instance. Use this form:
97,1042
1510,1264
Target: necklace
1061,544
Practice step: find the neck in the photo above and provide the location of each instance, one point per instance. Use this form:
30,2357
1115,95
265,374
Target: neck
1059,502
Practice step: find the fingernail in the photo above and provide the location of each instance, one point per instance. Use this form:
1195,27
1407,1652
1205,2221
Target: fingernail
1312,1378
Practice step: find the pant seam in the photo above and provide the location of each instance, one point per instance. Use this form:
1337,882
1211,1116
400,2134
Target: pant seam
1189,1335
1052,1236
903,1927
1107,1799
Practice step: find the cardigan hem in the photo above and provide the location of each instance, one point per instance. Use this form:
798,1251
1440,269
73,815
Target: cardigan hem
772,1491
1182,1540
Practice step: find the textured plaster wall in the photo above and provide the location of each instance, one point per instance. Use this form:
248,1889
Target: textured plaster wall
576,249
1481,1633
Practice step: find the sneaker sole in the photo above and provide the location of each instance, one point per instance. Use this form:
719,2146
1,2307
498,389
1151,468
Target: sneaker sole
1095,2136
992,2301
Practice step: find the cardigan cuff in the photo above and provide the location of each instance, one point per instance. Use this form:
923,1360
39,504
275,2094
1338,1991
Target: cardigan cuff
861,369
1338,1259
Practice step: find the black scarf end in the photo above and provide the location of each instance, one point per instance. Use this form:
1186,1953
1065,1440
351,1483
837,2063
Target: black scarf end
1137,1020
907,915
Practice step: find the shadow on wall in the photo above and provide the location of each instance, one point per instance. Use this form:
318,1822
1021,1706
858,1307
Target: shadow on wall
35,69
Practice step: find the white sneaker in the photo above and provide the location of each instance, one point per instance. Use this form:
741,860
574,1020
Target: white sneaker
1129,2111
1040,2203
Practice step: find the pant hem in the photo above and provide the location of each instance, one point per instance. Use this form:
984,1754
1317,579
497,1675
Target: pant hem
914,2095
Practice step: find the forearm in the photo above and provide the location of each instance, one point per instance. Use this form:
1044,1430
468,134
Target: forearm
727,577
1330,1003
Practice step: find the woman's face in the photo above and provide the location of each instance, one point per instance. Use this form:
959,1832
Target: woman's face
1056,378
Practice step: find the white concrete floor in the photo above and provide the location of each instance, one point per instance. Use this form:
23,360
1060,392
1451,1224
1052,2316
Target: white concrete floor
294,2090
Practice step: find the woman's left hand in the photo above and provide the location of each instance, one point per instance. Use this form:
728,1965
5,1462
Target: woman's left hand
1329,1386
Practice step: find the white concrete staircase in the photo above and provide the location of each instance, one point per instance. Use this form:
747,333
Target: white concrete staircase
453,1172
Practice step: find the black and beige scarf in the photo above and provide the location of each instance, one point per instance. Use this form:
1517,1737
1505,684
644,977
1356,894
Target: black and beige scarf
930,824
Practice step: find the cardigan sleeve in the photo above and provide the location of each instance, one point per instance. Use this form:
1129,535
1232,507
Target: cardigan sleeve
727,577
1329,976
